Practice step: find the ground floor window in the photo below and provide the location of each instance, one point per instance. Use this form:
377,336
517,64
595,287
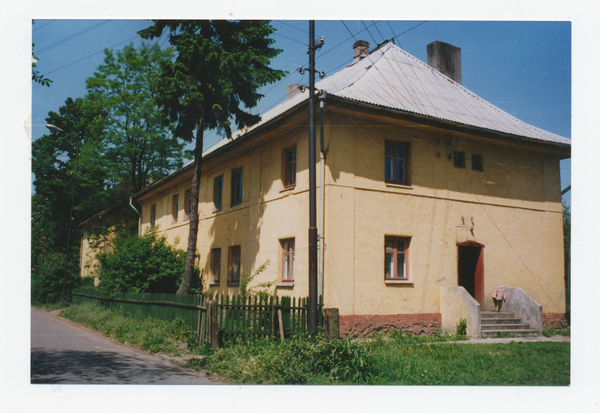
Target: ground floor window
216,265
288,256
396,258
235,254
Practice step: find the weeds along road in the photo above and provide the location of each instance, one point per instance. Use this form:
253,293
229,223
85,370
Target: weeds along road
62,352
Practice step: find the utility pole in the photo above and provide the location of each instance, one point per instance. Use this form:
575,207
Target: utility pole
312,185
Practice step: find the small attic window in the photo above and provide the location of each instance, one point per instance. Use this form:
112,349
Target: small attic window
477,162
459,159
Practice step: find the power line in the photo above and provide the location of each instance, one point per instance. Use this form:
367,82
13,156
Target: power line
375,24
66,39
294,27
93,54
367,29
38,28
289,38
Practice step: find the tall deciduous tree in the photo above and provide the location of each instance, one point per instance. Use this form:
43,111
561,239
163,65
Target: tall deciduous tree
219,69
138,145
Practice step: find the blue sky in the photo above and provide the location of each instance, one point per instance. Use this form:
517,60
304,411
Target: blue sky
522,67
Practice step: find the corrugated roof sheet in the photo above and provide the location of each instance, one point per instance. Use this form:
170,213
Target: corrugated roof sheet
392,78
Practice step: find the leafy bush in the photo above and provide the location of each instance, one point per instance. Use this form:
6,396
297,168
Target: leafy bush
142,264
261,289
297,360
47,279
461,327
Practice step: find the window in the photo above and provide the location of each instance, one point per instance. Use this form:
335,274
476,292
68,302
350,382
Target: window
186,204
290,167
216,265
175,207
396,258
218,193
234,264
459,159
396,162
289,259
477,162
153,215
236,187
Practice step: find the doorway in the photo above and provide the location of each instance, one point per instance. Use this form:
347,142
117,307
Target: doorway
470,269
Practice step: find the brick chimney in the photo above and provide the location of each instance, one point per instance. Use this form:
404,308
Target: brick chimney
360,48
445,58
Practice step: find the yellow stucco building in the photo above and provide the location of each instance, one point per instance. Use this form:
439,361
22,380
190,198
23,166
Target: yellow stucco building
423,185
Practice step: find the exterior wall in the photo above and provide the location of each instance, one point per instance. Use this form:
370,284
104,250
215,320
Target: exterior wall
267,214
514,204
512,207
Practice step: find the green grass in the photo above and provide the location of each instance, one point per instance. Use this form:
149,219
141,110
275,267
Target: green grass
146,333
549,332
397,359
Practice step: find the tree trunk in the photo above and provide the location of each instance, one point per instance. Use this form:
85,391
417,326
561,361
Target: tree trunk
186,283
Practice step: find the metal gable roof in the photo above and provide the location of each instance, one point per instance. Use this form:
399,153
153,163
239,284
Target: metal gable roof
389,77
392,78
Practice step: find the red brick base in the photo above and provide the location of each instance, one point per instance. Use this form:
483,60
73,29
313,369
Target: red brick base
554,320
357,326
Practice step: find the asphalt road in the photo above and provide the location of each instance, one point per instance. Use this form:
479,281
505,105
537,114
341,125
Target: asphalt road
65,353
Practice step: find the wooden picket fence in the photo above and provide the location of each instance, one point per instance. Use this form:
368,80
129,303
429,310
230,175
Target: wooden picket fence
254,315
213,319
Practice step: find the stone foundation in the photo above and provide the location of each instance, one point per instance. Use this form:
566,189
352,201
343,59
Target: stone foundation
357,326
554,320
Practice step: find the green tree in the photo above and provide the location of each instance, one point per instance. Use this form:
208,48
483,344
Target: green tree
113,144
65,172
65,165
219,68
138,145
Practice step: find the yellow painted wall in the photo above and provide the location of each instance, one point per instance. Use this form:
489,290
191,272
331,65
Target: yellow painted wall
514,202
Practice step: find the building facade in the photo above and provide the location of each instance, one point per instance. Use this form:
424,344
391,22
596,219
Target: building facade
423,185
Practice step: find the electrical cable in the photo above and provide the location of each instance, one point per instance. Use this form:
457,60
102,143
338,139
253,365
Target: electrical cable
294,27
69,38
87,57
38,28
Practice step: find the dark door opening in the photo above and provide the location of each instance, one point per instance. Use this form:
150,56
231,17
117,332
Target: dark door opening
470,269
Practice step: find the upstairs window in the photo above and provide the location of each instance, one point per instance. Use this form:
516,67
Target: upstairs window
477,162
216,265
153,215
396,162
235,254
236,187
218,193
290,167
396,258
459,159
175,207
289,259
186,204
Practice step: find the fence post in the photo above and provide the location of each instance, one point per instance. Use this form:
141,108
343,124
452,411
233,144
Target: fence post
331,323
213,324
286,304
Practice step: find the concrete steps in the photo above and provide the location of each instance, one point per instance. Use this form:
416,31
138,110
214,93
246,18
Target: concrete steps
503,322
